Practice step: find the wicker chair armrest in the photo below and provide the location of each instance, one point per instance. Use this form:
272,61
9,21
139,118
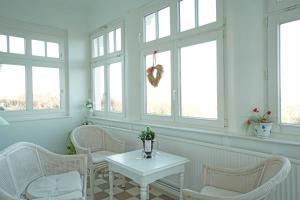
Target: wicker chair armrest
193,195
54,163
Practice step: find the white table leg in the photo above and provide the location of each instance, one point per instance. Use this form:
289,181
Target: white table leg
181,184
148,191
143,192
111,185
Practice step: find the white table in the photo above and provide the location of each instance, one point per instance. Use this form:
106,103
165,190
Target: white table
145,171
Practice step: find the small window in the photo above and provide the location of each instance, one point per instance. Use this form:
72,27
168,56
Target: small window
187,14
38,48
115,84
290,72
12,87
158,101
101,45
164,22
3,43
150,26
198,67
95,48
99,88
111,42
207,12
118,40
52,50
46,88
16,45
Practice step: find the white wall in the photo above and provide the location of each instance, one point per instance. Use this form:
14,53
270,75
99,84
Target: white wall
72,18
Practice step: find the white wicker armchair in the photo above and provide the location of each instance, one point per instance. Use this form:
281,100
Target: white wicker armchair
97,144
241,184
28,171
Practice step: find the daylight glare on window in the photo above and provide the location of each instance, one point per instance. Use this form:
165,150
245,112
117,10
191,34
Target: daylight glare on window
150,27
12,87
187,14
198,69
46,88
159,98
99,88
115,84
290,72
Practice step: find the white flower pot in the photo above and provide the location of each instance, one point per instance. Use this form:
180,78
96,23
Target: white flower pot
262,130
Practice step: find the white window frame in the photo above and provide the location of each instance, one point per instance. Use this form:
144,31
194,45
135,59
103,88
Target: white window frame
275,5
274,22
36,32
106,60
177,39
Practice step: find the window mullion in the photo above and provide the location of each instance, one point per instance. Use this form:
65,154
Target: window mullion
156,26
29,89
196,14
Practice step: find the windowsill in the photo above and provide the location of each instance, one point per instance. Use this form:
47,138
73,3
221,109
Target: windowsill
224,137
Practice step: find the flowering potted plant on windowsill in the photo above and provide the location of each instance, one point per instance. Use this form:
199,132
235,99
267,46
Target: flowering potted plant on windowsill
89,107
147,136
261,123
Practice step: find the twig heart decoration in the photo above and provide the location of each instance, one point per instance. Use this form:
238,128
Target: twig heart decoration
159,72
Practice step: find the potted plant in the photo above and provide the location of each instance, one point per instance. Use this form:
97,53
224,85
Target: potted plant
147,136
261,123
89,107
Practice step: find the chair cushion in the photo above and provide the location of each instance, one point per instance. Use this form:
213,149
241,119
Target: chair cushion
218,192
69,183
99,156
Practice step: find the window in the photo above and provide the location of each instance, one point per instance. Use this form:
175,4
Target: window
196,13
157,24
107,70
283,69
191,88
32,80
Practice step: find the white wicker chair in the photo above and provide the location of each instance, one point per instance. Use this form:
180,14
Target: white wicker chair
26,167
241,184
97,144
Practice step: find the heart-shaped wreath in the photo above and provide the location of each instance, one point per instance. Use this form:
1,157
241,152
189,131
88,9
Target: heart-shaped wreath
159,72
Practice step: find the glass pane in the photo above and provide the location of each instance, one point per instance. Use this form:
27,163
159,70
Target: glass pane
150,27
164,22
111,42
199,80
3,43
37,48
115,84
101,45
46,88
187,14
52,50
16,45
118,39
290,72
159,98
12,87
207,11
95,48
99,88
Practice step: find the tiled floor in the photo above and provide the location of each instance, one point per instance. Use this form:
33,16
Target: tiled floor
130,192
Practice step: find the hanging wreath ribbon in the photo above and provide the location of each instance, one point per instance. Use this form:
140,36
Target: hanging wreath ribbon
159,72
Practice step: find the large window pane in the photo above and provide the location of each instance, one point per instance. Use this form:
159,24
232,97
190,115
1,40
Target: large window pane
199,80
115,84
290,72
38,48
12,87
52,50
118,39
164,22
207,11
159,98
46,88
101,45
187,14
99,88
111,42
150,27
16,45
3,43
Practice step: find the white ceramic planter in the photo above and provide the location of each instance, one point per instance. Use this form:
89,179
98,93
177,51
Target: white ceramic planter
263,130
